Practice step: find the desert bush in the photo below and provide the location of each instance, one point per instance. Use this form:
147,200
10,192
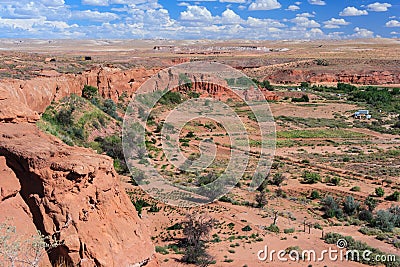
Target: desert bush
110,108
176,226
277,179
314,194
273,228
369,231
322,62
335,180
380,192
289,230
64,116
247,228
393,197
207,179
17,250
384,220
371,203
261,199
89,92
161,250
171,98
197,227
304,98
310,177
355,189
139,205
331,207
280,193
366,215
350,206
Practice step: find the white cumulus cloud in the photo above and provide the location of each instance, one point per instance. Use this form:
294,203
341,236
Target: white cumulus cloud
334,23
233,1
393,23
352,11
196,13
293,8
305,22
265,5
379,7
94,16
317,2
362,33
230,17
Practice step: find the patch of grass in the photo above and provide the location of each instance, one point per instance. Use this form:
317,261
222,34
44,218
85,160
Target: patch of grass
162,250
324,133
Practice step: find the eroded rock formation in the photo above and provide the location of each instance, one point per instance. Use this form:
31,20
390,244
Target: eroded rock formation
70,192
73,192
38,93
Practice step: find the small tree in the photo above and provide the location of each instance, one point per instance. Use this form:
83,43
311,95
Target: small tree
261,199
277,179
314,194
89,92
331,207
197,228
110,108
371,203
379,192
393,197
335,180
16,250
366,215
350,206
310,177
384,220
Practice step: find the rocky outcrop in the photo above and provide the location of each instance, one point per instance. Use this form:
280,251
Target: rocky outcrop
38,93
290,76
73,193
12,110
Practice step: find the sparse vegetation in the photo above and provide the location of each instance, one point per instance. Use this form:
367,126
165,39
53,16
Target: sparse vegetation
196,229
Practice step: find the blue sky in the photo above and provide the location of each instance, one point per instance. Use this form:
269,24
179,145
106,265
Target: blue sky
211,19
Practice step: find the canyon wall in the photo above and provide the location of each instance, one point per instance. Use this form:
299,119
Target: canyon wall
68,192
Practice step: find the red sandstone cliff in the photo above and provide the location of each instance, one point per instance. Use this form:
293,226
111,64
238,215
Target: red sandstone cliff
288,76
68,191
49,186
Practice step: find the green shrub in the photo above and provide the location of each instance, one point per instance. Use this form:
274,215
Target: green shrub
331,207
171,98
380,192
247,228
350,206
371,203
89,92
304,98
310,177
366,215
162,250
273,228
335,180
277,179
176,226
393,197
314,194
289,230
355,189
384,220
